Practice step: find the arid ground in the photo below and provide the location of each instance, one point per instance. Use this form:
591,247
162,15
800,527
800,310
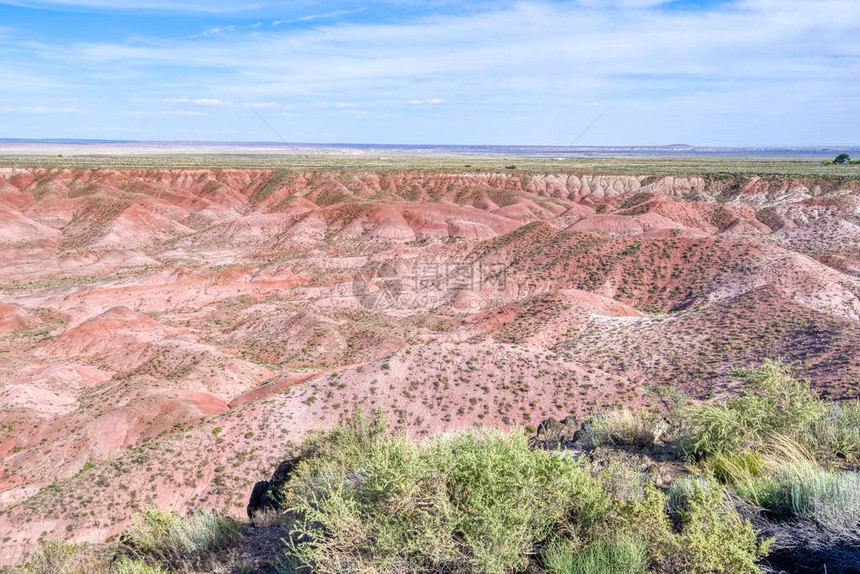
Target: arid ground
165,333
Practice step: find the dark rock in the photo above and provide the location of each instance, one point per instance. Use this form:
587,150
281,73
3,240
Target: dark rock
552,433
257,497
267,493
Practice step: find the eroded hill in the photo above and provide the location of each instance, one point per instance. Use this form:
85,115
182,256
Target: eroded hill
164,333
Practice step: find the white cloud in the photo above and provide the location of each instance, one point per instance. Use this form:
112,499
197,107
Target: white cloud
162,113
261,105
41,110
204,6
333,14
196,101
738,70
343,105
218,30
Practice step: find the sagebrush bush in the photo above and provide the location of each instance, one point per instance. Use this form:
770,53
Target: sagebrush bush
830,500
774,401
813,517
682,490
163,538
59,557
484,502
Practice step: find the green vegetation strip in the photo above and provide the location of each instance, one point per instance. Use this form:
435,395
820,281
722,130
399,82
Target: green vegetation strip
461,164
485,502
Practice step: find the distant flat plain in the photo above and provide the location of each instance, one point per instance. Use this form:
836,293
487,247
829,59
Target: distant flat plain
653,160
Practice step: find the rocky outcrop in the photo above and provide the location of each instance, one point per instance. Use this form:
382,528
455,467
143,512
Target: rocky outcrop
267,494
553,434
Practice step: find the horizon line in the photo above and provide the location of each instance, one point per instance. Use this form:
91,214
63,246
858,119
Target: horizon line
559,147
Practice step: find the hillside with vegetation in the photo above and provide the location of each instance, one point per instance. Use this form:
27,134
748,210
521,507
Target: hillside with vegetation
170,336
766,480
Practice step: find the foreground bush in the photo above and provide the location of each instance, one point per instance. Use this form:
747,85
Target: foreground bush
784,453
837,432
830,500
813,515
484,502
58,557
473,500
774,402
156,543
715,538
161,538
126,565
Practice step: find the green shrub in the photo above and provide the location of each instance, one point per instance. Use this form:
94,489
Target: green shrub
510,497
476,500
343,445
162,537
747,474
682,490
764,492
484,502
625,555
620,477
645,519
774,402
126,565
714,538
736,468
59,557
831,500
838,431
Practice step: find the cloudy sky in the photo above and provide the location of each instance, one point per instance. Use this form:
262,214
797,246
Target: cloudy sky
710,72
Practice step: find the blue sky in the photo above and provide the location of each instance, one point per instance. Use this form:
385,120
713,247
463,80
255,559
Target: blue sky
712,72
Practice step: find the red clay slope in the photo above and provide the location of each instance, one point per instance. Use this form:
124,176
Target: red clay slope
174,328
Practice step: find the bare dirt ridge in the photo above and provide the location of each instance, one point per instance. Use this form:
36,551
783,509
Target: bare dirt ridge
165,333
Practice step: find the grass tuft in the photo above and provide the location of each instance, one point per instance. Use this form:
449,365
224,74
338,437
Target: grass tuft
162,538
59,557
600,557
624,427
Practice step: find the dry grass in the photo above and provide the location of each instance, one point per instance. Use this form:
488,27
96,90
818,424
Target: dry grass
624,427
269,517
184,544
58,557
